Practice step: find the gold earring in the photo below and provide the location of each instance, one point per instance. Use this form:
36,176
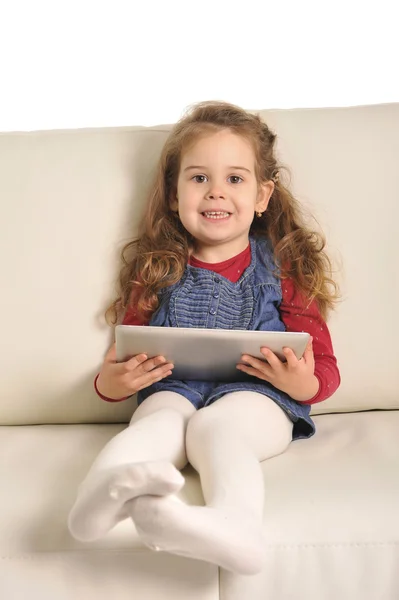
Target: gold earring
276,177
259,214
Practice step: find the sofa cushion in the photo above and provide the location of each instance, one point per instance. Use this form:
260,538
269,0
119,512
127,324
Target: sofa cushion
41,467
71,199
331,515
331,508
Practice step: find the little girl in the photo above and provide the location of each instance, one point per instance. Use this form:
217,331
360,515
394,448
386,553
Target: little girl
222,244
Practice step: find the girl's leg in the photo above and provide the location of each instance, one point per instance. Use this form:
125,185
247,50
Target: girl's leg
225,443
142,459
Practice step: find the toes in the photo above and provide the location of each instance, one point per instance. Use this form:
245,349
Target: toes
118,492
122,490
170,487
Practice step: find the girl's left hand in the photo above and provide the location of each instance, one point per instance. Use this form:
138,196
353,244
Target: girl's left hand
294,377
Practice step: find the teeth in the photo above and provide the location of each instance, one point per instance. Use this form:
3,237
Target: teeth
216,215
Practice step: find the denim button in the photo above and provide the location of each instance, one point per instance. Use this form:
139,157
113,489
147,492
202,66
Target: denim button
216,294
212,311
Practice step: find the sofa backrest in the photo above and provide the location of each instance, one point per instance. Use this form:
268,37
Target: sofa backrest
71,199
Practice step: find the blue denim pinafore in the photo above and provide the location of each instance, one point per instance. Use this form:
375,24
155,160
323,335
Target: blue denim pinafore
203,298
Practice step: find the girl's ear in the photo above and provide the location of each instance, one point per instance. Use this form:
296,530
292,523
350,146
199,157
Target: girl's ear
174,204
264,194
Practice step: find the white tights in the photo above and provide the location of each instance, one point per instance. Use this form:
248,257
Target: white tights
137,475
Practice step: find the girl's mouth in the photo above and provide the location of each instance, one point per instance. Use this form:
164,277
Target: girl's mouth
216,215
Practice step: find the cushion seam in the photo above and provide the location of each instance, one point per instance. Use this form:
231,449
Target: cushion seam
269,548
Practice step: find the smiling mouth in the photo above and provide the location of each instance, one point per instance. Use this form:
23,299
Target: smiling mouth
216,215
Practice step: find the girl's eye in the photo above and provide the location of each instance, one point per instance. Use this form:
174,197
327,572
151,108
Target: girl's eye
202,178
235,177
197,176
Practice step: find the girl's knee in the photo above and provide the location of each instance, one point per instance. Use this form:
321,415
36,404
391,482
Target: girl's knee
169,402
202,424
211,425
251,419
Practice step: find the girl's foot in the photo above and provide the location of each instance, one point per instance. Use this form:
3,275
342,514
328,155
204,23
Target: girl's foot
225,538
101,497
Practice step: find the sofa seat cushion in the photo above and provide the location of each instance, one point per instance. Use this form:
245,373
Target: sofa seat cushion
331,506
41,467
331,515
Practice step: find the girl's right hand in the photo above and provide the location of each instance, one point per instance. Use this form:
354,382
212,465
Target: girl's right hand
119,380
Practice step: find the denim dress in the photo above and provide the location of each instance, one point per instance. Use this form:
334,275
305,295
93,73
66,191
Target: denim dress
203,298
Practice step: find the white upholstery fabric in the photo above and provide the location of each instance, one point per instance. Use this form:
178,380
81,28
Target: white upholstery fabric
331,515
331,507
40,469
106,575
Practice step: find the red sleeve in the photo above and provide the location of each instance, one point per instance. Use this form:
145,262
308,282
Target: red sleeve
105,397
130,318
299,317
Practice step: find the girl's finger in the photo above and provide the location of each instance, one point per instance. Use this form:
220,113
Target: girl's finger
155,364
160,373
110,357
256,363
308,354
254,372
132,364
153,376
145,365
140,364
271,358
292,360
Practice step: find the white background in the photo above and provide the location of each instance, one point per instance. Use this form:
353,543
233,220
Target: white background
69,64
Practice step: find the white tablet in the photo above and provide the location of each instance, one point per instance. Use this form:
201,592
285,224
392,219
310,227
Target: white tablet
204,354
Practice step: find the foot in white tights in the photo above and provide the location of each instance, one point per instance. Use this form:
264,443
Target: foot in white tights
223,537
101,497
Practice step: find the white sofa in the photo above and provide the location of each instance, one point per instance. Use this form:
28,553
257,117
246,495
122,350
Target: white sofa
69,201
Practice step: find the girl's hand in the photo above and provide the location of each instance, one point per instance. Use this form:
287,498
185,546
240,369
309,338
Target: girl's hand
118,380
294,377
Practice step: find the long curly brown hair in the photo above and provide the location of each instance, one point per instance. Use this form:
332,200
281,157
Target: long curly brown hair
157,257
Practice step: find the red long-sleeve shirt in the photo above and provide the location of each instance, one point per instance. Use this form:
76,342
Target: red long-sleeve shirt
293,313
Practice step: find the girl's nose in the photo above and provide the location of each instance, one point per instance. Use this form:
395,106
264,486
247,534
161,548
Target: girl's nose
215,191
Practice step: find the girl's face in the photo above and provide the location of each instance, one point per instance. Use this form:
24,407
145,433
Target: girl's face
218,194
